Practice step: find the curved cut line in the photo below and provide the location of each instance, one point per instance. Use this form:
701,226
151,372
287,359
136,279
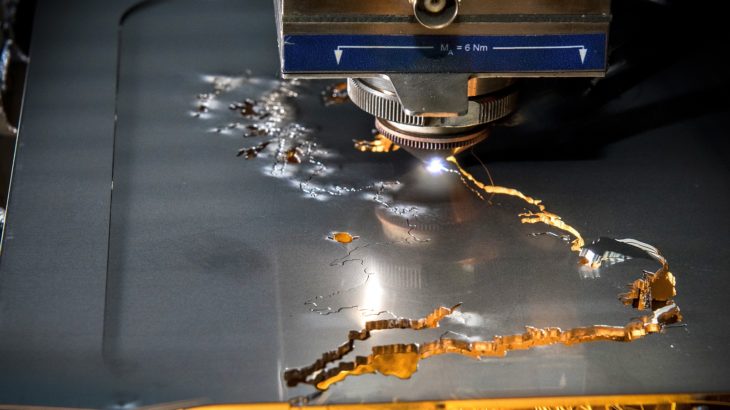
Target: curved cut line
317,373
401,360
542,215
653,291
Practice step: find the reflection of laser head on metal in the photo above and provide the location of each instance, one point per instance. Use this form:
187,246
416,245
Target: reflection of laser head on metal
437,73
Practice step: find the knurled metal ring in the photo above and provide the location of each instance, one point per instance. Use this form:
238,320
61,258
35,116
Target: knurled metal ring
380,104
431,142
384,105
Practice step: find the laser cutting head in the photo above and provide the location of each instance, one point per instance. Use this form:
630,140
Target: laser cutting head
436,73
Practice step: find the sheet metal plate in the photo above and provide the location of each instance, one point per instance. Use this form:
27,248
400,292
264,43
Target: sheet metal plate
211,260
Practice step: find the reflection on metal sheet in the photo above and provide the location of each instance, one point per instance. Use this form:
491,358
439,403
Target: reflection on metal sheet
206,289
335,94
378,144
654,291
273,111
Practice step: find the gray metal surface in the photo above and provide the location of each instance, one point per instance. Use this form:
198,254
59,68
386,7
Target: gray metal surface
54,262
201,293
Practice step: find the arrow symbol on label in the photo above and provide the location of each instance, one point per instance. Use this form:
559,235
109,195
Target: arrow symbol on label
340,49
582,50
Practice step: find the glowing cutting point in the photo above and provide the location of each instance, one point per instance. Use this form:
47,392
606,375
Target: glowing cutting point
435,166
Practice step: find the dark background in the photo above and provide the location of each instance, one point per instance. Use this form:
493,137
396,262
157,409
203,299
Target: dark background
17,21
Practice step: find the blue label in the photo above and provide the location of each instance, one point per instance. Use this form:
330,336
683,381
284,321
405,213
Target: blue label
443,54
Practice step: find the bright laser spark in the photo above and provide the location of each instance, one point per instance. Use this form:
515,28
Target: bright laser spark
435,166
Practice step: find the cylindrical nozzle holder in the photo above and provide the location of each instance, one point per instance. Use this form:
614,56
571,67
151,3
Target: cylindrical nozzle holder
435,14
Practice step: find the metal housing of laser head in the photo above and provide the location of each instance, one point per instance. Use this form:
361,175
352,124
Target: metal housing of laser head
436,73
